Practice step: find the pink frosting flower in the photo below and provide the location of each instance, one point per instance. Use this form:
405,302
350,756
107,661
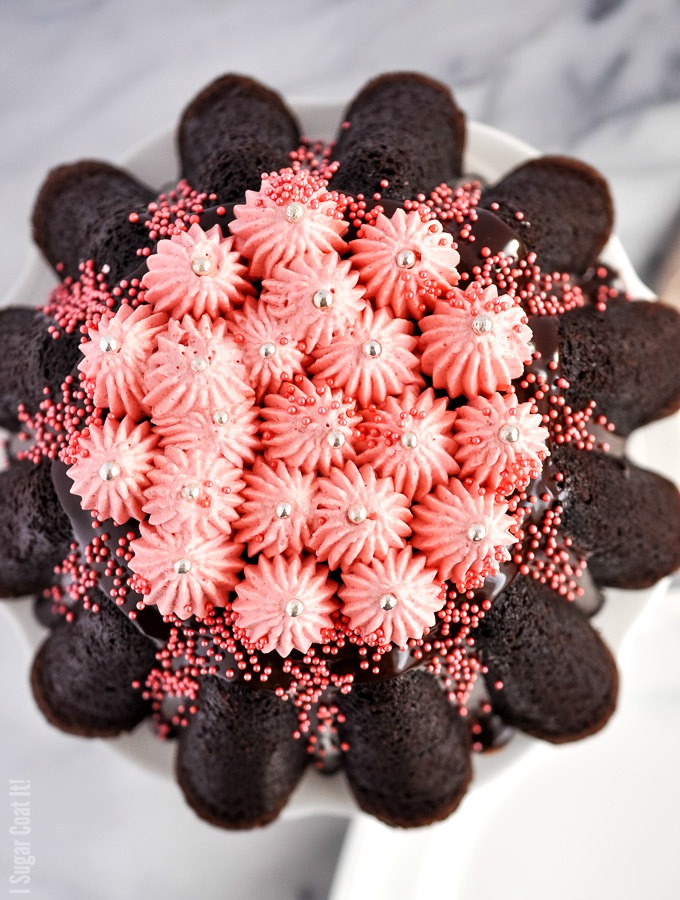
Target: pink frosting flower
112,468
193,492
501,443
308,427
359,517
277,509
464,533
410,439
477,344
372,359
196,273
396,597
197,366
231,432
115,358
268,349
318,295
293,213
285,604
185,573
404,262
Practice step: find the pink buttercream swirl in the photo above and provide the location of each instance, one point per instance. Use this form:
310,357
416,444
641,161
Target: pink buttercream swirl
373,358
230,432
185,573
308,427
405,262
195,273
115,357
318,296
392,600
358,517
193,492
501,443
112,466
463,533
285,604
410,439
292,214
269,351
476,343
197,366
277,509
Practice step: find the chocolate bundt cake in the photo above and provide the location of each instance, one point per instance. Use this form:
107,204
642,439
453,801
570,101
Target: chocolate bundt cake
326,466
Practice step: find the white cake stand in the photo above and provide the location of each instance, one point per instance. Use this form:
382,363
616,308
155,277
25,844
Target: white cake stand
378,861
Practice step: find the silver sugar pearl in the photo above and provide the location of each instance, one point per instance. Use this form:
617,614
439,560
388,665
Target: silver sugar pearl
509,434
357,514
409,440
221,417
294,212
284,509
323,298
482,324
108,344
336,439
295,608
201,265
182,566
372,349
406,258
388,601
477,532
267,350
191,492
199,364
109,470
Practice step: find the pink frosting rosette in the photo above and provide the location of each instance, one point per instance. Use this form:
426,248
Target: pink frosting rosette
405,262
197,366
115,357
358,517
195,273
268,349
230,432
111,468
410,439
185,573
277,509
373,358
392,600
194,492
318,296
476,343
501,443
293,213
308,427
464,533
285,604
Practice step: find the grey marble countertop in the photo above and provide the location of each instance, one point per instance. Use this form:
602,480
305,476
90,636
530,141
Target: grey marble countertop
598,79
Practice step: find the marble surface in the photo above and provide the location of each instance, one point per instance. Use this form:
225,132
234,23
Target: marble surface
599,79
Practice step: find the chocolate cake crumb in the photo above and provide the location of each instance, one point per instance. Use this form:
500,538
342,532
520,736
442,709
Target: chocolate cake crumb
238,762
408,755
549,672
83,674
561,209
